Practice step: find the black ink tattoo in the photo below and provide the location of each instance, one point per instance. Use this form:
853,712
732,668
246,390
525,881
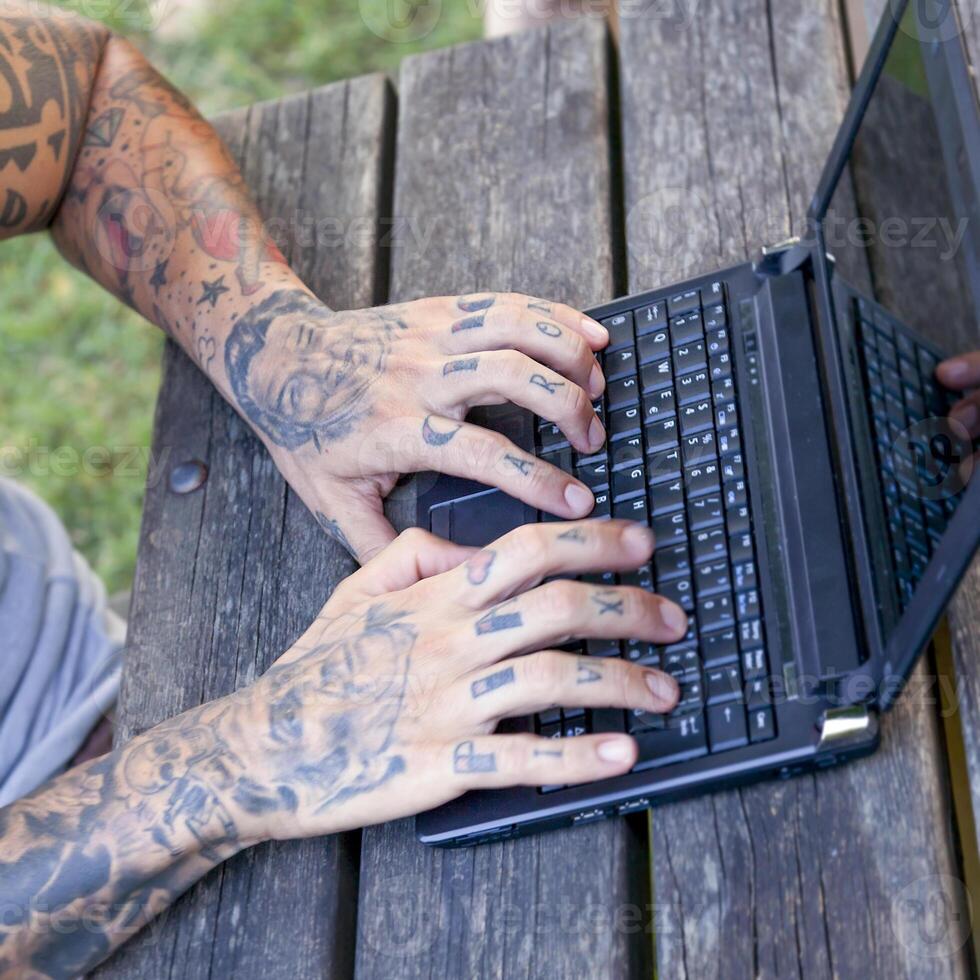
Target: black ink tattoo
553,753
484,685
211,291
435,438
468,364
549,329
540,306
335,531
103,129
495,621
473,304
159,277
549,386
467,323
478,567
467,759
324,390
587,674
608,605
523,466
573,534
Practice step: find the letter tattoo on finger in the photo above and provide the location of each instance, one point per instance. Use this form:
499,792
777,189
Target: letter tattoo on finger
478,567
467,759
607,602
550,329
549,386
435,438
484,685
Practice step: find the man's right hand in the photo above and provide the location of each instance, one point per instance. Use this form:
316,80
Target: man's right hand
387,705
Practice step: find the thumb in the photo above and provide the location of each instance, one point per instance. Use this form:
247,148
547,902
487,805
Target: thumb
363,530
415,555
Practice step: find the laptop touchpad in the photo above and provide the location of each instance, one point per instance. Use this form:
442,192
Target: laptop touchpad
477,521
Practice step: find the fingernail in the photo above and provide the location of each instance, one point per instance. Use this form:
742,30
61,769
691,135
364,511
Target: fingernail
595,330
663,687
596,381
579,498
615,750
638,540
955,370
966,414
597,434
674,617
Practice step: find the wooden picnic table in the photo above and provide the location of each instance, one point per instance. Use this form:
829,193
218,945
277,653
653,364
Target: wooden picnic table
556,163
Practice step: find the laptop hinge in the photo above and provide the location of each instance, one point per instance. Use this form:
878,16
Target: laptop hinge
783,257
840,726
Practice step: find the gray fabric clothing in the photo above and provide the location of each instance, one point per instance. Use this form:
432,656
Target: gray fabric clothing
60,646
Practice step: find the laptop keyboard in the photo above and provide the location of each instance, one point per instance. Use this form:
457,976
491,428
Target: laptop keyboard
903,393
673,460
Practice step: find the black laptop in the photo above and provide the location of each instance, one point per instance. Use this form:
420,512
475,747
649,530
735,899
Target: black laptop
779,427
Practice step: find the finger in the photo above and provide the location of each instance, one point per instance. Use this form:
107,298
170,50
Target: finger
543,339
525,685
475,453
498,377
562,610
527,555
962,371
967,412
593,331
414,555
492,761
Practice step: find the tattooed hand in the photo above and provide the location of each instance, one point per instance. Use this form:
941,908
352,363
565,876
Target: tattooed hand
385,707
348,401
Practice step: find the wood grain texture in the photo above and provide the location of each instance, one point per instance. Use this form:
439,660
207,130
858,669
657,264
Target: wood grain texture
229,576
503,153
817,876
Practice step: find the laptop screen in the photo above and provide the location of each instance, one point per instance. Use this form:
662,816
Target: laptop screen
901,230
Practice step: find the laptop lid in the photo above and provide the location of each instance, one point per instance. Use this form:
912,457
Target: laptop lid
898,209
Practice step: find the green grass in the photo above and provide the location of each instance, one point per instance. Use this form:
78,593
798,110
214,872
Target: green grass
78,372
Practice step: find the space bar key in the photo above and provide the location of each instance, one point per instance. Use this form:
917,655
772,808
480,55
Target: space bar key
664,746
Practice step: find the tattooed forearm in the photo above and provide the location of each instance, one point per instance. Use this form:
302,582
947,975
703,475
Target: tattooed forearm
90,858
484,685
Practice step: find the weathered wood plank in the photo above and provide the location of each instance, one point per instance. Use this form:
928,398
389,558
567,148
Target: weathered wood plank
503,164
808,877
229,576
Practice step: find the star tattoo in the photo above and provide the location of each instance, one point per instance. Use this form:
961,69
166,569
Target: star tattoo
212,291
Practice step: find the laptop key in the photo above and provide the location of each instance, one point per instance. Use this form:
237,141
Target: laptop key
704,512
723,684
622,393
754,666
626,452
669,528
683,302
653,346
639,720
621,363
673,744
602,648
726,727
551,438
594,473
701,480
719,648
693,387
690,357
717,340
747,605
656,376
651,317
623,422
711,577
664,466
708,545
665,498
715,612
740,548
678,590
698,449
658,405
673,562
620,329
738,519
628,483
696,418
685,329
762,727
661,435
